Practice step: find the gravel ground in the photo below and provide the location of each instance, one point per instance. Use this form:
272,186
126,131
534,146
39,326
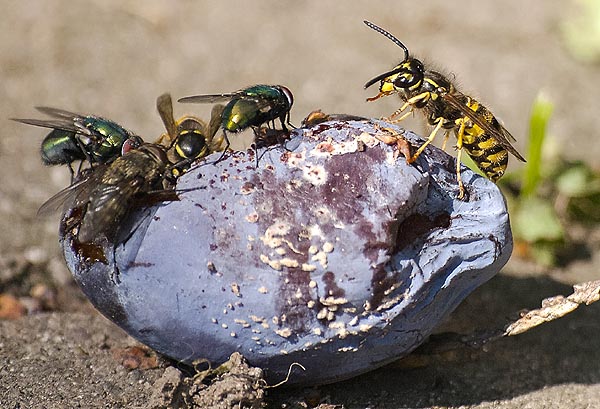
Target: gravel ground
113,58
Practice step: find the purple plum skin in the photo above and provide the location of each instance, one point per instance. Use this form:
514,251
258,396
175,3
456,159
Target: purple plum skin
336,255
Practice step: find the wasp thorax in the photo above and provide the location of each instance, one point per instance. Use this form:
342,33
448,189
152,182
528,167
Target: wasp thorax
191,145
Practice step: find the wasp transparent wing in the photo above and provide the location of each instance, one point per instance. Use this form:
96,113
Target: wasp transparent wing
501,134
216,119
164,105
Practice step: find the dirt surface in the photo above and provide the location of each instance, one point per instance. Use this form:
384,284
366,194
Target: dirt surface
113,58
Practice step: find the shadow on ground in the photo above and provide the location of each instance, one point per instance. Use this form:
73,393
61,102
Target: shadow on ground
566,351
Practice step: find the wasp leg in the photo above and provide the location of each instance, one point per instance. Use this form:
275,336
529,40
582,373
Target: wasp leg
403,117
446,136
161,138
180,167
215,143
423,97
459,147
440,122
398,112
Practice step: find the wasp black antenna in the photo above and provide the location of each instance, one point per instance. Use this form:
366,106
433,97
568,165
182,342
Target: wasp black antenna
388,35
383,76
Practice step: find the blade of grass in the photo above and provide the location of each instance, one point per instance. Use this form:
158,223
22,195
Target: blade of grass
540,115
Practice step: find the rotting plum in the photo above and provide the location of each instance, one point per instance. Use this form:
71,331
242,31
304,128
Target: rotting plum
337,255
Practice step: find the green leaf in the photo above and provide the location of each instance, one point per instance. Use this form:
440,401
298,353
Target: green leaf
582,33
577,180
535,220
586,209
538,122
466,160
544,253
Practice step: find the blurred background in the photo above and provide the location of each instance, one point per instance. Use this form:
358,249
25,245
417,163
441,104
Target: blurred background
113,58
535,64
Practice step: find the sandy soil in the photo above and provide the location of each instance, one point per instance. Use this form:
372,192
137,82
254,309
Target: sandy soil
113,58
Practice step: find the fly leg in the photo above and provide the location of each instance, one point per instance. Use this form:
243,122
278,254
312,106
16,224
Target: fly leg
227,144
